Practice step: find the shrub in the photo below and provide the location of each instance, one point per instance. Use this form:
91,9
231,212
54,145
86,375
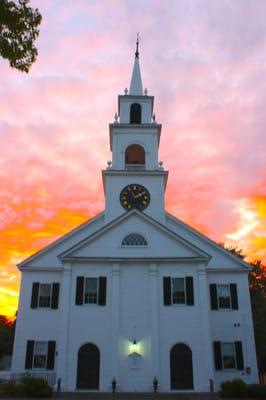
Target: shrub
8,389
35,387
256,391
27,387
236,388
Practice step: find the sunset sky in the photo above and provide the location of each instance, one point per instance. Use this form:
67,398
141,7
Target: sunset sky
205,63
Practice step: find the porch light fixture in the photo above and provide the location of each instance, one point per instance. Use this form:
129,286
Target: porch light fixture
134,347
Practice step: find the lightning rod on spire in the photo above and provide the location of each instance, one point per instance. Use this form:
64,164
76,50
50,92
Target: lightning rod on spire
137,47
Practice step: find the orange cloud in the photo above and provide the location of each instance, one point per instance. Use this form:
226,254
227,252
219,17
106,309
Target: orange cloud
204,67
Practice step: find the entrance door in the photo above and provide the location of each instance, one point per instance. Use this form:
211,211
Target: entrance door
88,367
181,367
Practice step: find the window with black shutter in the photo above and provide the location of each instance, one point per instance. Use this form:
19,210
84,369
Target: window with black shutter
80,290
213,296
40,354
45,295
239,355
102,291
35,294
178,290
228,355
223,296
217,355
51,354
189,291
91,290
234,299
29,354
167,290
55,295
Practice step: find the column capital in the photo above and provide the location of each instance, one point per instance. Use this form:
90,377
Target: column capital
153,269
116,269
202,268
67,267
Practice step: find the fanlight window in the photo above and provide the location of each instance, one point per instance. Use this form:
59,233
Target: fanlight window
134,239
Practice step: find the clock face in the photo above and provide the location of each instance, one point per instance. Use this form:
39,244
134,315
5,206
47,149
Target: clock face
134,196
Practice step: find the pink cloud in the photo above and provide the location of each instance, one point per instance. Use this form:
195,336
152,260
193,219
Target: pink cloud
204,64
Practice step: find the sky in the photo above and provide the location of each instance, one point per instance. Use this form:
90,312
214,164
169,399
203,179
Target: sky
205,63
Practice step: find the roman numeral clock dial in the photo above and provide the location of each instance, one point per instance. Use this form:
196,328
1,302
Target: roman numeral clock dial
134,196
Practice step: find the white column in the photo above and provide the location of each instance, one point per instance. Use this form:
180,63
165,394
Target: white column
206,353
62,340
114,372
154,323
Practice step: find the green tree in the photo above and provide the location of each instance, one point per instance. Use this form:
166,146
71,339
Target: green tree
257,289
7,331
257,286
18,32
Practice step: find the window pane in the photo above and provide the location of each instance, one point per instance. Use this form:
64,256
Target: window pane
90,290
228,353
40,352
134,239
178,291
223,294
45,295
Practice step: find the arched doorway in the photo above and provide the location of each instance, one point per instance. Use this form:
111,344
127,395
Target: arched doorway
88,371
135,113
181,367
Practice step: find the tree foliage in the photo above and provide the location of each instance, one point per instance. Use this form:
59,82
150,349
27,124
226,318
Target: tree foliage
7,331
257,288
18,32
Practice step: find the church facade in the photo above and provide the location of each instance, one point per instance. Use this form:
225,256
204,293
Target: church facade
135,294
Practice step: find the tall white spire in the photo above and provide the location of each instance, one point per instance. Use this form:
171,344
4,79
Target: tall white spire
136,83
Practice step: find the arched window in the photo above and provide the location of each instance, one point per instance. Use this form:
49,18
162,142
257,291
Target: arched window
135,154
134,239
135,113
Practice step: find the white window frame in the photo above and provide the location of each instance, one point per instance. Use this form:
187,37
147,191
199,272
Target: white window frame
234,354
97,290
172,291
218,297
39,295
34,354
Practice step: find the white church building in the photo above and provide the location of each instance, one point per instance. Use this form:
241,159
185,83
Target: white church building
135,293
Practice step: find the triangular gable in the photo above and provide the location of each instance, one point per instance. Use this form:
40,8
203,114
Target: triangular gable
220,258
161,242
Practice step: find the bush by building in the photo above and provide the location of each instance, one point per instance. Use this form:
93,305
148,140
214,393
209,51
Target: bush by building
26,387
239,389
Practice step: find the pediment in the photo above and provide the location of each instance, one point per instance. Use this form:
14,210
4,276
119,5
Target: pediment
161,242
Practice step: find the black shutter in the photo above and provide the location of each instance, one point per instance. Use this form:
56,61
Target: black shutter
167,290
213,296
35,294
233,292
102,291
189,290
239,355
50,354
217,355
80,290
29,354
55,295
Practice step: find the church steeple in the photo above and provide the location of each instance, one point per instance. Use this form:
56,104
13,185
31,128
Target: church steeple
136,82
134,142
